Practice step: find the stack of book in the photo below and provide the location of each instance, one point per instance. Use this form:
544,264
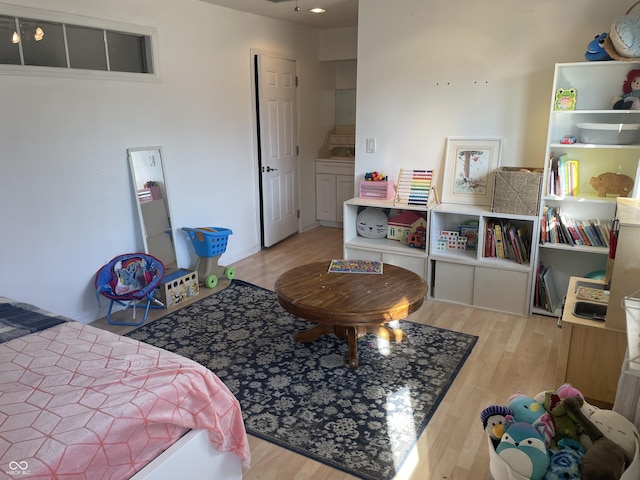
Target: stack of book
546,294
564,178
504,240
555,227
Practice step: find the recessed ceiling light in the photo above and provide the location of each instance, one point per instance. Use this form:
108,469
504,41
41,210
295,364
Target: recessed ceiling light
317,10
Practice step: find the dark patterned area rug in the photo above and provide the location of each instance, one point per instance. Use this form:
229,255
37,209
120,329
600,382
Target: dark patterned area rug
304,397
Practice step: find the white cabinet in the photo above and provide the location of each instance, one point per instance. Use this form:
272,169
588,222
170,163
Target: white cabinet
595,84
381,249
342,140
334,185
482,275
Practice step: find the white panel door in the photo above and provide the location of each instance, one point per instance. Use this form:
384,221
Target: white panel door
278,148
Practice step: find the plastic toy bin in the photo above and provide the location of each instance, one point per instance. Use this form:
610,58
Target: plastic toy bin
209,241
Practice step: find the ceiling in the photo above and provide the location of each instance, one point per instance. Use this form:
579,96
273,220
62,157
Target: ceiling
339,14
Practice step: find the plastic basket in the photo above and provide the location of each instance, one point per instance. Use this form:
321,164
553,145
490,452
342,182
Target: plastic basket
209,241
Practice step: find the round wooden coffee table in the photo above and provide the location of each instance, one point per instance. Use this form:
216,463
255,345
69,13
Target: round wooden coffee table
350,305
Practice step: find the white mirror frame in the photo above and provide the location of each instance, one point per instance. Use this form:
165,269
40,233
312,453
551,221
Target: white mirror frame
150,193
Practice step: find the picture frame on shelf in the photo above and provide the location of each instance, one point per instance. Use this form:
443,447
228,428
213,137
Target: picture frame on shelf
469,169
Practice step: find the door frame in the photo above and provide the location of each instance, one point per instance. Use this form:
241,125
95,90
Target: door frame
254,52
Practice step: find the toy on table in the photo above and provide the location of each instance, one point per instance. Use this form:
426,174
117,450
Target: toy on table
523,449
565,99
612,183
209,243
595,50
630,99
605,459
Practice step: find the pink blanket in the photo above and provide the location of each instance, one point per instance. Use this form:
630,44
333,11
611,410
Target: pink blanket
80,402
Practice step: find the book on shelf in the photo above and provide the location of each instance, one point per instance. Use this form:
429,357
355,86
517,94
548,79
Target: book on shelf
556,227
546,294
513,238
504,240
498,239
564,176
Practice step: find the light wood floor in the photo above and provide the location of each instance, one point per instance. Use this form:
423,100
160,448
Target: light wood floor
513,353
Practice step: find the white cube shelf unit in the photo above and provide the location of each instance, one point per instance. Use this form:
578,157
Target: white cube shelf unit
381,249
466,276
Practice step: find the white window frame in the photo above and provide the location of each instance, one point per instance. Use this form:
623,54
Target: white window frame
82,21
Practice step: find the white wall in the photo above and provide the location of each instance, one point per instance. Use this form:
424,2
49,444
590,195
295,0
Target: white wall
429,69
339,44
65,190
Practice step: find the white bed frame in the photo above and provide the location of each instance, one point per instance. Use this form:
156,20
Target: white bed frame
193,456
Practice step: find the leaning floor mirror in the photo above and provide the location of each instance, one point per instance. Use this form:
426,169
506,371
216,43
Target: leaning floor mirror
150,191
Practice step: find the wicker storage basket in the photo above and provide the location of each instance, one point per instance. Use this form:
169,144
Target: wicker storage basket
517,190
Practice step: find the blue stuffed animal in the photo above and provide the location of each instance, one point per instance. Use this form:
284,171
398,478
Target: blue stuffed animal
565,464
529,410
523,449
625,35
595,50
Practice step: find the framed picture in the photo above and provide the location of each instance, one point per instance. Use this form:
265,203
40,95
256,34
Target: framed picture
468,170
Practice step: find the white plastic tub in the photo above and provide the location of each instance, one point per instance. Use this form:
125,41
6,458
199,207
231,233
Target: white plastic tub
608,133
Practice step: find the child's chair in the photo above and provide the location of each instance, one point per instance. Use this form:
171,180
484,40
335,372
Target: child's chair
128,279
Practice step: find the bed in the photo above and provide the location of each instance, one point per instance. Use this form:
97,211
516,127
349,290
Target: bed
80,402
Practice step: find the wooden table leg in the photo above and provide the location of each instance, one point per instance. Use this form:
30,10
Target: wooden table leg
313,333
352,341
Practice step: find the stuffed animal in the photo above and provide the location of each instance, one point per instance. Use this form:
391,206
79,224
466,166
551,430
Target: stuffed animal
493,418
625,35
372,223
595,50
565,464
529,410
612,183
630,99
523,449
605,460
617,429
566,426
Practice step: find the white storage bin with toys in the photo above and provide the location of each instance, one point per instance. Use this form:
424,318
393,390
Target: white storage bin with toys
558,435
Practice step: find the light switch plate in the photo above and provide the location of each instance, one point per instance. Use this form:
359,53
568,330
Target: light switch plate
371,145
